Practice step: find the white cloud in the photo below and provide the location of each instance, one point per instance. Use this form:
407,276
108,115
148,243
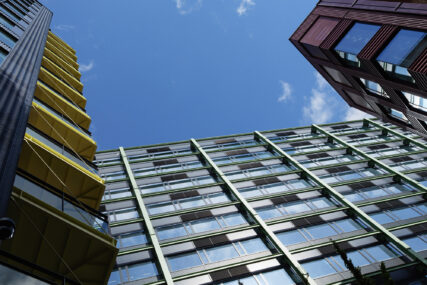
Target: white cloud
65,28
244,6
87,67
286,91
322,106
355,114
187,6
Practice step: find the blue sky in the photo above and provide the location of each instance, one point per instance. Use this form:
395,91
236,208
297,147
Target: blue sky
165,70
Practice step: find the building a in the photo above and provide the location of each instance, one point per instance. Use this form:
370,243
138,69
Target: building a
263,207
50,191
374,55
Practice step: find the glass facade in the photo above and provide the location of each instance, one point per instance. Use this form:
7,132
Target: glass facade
207,220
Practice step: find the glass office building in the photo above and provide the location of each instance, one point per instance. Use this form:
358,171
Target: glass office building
50,191
264,207
373,54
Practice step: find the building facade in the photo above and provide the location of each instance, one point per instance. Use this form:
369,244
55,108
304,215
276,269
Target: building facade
50,191
374,55
264,207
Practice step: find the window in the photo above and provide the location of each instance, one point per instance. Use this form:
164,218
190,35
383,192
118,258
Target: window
374,87
176,184
123,214
389,216
418,243
274,277
351,174
401,52
354,41
117,193
131,239
216,253
296,207
333,264
133,272
7,39
142,270
416,101
336,75
200,226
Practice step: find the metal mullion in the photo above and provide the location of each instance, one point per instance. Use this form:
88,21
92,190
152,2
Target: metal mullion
149,226
371,222
415,142
267,231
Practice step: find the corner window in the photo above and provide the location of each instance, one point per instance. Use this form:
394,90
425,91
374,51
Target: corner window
401,52
354,41
416,101
374,87
336,76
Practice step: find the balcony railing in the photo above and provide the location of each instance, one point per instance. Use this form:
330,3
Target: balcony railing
61,201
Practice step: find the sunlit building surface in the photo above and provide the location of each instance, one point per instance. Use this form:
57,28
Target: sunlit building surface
263,207
374,55
46,153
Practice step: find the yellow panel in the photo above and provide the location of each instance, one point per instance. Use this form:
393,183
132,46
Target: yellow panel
60,131
61,47
62,88
60,172
62,63
61,42
62,55
49,238
62,106
59,72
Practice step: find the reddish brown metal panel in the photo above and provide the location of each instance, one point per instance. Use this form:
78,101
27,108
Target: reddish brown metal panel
377,42
336,34
415,22
418,70
330,12
302,29
319,31
335,3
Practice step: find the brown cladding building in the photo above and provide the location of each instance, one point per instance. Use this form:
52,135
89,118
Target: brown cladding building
374,54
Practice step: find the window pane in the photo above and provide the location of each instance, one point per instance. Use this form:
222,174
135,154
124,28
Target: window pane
183,261
380,252
347,225
416,243
277,277
356,38
234,219
143,270
132,239
296,208
291,237
254,245
223,252
218,198
192,202
400,50
114,278
321,231
204,225
171,232
382,218
268,212
318,268
160,208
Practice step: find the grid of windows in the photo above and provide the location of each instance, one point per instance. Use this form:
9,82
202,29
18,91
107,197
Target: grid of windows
200,225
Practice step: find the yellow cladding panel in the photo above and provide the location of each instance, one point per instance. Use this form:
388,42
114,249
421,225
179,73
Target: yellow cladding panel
60,46
55,241
61,105
62,63
60,131
59,72
61,42
60,172
62,88
62,55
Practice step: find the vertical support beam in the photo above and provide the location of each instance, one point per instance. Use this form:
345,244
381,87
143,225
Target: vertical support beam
353,208
18,77
267,231
150,229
